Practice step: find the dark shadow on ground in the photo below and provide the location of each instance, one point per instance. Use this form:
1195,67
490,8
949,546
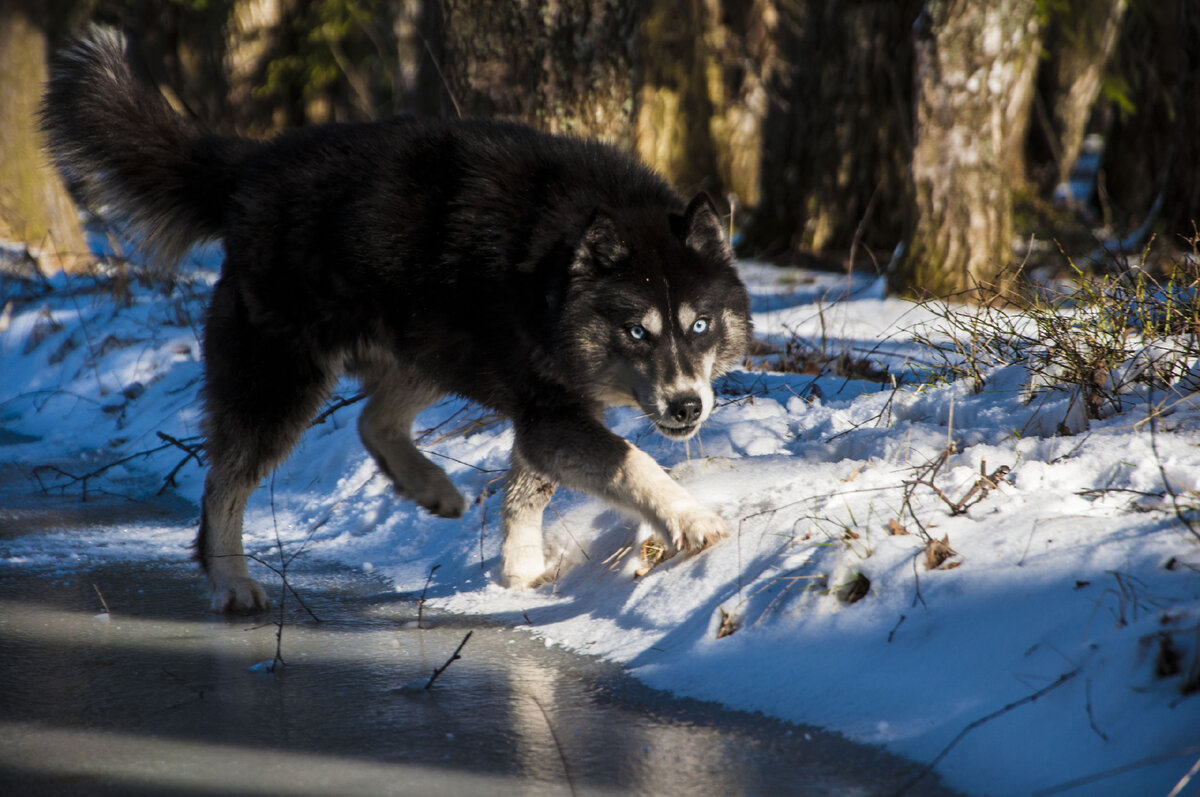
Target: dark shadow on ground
159,696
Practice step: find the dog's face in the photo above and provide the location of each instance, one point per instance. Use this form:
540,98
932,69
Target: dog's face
654,313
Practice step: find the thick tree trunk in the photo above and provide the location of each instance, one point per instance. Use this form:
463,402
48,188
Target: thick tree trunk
34,205
837,138
562,67
974,85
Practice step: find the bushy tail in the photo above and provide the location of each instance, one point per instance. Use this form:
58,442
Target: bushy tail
118,141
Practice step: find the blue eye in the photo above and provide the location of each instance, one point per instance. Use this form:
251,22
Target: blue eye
637,332
700,327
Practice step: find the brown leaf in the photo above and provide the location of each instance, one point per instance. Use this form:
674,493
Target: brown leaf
652,552
728,624
937,552
895,529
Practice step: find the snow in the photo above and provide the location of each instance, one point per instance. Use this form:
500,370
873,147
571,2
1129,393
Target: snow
1024,663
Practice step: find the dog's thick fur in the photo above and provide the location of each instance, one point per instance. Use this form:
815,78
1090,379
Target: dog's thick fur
541,276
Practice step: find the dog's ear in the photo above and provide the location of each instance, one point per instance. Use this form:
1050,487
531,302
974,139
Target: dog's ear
601,246
703,231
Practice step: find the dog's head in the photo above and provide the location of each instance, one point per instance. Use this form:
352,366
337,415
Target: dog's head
654,312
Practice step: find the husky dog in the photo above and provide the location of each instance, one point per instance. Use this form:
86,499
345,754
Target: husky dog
542,276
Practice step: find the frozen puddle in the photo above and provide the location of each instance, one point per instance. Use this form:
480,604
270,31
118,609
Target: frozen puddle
159,696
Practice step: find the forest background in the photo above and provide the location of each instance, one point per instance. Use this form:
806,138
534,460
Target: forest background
932,141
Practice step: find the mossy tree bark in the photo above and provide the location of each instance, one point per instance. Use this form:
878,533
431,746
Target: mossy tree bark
561,67
975,65
34,205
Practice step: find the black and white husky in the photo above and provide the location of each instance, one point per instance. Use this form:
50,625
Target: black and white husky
542,276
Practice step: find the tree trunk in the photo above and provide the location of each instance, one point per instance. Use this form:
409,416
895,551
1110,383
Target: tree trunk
1153,149
674,110
974,86
702,101
34,206
254,36
837,138
1079,41
561,67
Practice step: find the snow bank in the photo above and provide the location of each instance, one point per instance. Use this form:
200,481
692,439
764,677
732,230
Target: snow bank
1069,577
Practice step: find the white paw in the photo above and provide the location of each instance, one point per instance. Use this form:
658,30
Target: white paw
523,566
695,527
240,596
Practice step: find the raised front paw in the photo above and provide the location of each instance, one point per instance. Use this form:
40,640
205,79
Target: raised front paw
240,596
696,527
433,490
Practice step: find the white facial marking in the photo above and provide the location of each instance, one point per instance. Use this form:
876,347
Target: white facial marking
700,385
687,316
652,322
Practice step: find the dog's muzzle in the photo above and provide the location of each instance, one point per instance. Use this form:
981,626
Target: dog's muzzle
682,418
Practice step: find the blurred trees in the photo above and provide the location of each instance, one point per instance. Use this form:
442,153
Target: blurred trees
838,137
1152,153
836,128
563,67
34,205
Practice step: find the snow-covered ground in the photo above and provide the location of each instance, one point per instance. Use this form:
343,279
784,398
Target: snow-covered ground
1047,654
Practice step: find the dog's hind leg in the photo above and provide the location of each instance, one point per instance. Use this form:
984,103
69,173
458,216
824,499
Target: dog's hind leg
262,388
522,557
385,427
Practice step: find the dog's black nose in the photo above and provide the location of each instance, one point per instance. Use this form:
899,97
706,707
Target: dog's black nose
685,409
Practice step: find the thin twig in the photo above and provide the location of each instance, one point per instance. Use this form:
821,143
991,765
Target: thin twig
1185,780
1062,679
283,590
1088,706
335,406
283,576
1179,513
1109,773
453,658
421,602
103,602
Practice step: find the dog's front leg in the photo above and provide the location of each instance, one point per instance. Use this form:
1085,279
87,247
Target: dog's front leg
219,549
641,484
585,455
522,557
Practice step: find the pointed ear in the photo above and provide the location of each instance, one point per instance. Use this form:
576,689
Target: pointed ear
601,246
703,231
